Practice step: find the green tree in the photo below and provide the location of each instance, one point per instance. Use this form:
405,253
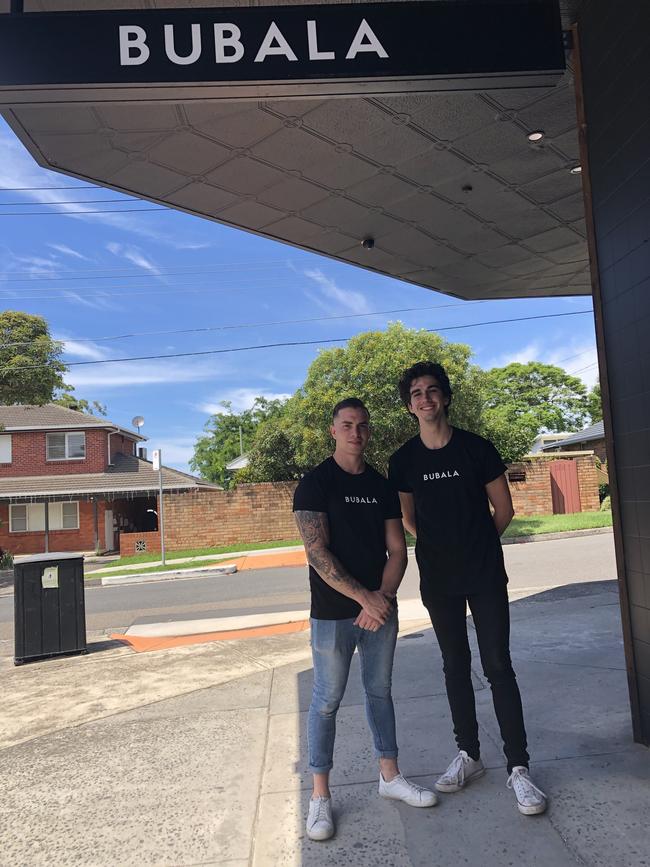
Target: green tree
595,404
80,404
368,367
220,443
535,396
31,370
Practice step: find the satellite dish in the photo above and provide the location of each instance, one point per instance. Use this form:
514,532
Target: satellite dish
137,421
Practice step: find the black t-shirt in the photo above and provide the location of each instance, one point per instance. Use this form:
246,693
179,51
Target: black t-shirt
458,548
356,508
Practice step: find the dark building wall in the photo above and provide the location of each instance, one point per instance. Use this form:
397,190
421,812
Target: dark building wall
614,41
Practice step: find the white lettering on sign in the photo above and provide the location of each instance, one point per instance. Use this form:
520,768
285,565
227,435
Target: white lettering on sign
227,36
268,49
312,41
229,45
133,39
372,43
170,46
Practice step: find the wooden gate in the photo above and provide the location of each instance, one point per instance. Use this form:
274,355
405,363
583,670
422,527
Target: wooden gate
565,491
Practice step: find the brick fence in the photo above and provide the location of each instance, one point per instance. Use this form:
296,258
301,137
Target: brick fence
262,512
533,496
208,519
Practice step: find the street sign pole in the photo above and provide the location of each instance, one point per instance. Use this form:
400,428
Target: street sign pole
157,465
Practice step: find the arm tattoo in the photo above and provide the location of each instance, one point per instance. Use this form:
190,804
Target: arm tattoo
314,529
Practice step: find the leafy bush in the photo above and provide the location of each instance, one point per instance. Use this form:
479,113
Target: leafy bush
606,505
603,491
6,560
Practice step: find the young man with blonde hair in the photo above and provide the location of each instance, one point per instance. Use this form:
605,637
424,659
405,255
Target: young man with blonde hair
350,521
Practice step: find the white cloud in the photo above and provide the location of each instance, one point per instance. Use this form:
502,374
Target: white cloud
34,266
68,251
577,358
96,302
135,256
128,374
83,349
349,299
240,398
176,452
530,352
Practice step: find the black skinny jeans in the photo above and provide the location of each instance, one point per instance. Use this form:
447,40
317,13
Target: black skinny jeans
492,622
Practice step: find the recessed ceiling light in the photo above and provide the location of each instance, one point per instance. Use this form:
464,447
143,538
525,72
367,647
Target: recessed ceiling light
576,170
536,135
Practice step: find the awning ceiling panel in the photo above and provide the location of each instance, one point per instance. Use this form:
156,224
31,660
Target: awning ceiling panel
447,184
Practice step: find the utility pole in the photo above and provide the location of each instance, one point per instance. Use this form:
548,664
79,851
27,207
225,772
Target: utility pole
157,465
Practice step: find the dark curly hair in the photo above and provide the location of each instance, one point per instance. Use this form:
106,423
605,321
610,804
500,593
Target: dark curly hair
424,368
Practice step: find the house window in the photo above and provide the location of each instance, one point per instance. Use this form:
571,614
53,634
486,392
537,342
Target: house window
17,519
5,449
31,518
66,446
69,516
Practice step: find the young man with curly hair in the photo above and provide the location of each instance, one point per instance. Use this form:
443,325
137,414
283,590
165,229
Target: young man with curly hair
447,480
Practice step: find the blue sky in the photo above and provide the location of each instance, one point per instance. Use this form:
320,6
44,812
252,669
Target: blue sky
95,276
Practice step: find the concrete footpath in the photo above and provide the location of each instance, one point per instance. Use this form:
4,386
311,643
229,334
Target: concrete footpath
195,755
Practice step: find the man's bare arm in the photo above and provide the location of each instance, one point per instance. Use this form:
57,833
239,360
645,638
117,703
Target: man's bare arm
499,496
314,529
408,512
397,560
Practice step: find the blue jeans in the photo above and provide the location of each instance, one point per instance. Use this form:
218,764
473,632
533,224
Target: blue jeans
332,644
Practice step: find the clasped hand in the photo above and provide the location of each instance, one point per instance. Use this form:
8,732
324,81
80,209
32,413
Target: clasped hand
375,611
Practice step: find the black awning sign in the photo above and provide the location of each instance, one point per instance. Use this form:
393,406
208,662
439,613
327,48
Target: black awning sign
227,45
279,50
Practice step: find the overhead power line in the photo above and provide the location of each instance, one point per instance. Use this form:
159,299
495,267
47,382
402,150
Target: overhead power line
76,213
240,325
290,343
67,202
187,269
43,189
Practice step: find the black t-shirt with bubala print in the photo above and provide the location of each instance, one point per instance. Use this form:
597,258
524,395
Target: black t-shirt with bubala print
458,548
356,507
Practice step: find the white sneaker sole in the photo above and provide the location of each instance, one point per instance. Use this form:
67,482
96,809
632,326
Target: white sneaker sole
408,802
455,787
534,810
320,836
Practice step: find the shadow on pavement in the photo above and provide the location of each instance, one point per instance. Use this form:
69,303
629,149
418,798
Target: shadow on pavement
567,651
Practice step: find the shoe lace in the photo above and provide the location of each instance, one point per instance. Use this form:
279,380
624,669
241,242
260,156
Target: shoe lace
522,784
456,769
413,786
320,808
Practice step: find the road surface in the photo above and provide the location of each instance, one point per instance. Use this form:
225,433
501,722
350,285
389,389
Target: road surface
531,567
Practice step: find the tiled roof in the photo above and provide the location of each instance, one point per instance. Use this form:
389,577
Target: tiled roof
51,416
129,475
595,432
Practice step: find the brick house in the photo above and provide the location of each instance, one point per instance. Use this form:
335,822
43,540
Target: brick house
590,439
74,482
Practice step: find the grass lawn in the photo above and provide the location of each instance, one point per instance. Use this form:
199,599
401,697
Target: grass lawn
533,526
168,567
154,556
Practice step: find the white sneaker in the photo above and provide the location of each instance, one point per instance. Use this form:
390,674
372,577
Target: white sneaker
530,799
401,789
460,772
320,825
